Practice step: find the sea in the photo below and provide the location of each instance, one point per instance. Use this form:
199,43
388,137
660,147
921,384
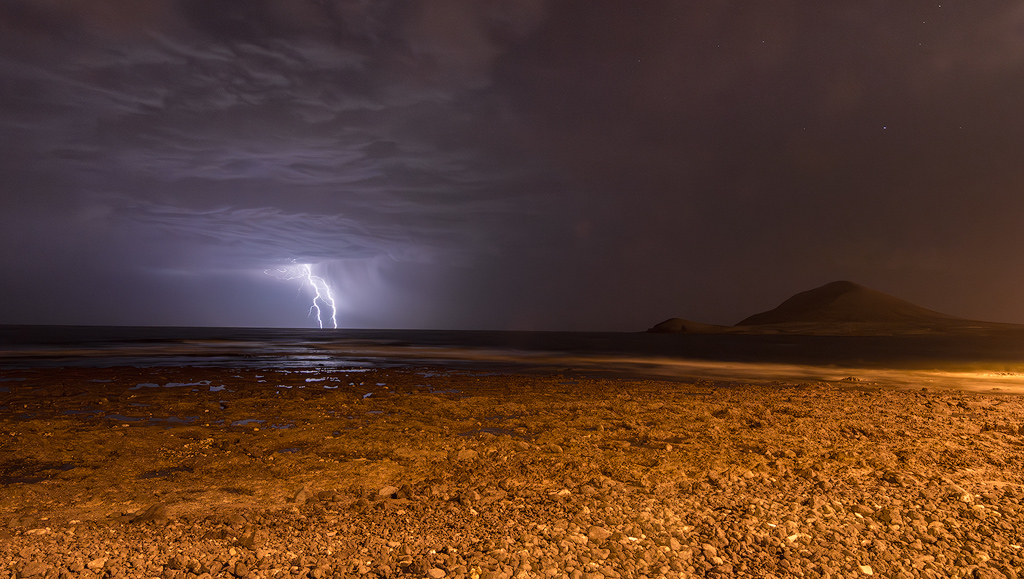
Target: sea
634,354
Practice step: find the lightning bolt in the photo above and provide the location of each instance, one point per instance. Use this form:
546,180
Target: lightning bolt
322,292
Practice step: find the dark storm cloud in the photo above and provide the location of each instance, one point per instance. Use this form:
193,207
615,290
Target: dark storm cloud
597,165
268,131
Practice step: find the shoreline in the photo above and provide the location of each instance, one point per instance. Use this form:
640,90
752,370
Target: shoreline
496,475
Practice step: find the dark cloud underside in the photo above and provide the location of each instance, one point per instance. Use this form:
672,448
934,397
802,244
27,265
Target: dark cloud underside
516,164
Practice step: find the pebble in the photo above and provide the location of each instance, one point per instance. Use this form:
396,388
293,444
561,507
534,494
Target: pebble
300,496
96,564
34,569
467,454
598,534
590,510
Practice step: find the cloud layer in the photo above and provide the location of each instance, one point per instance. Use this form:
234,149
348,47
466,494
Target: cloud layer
510,164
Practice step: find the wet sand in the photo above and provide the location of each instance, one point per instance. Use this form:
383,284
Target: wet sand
429,471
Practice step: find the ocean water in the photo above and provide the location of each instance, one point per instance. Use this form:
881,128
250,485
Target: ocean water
637,353
94,346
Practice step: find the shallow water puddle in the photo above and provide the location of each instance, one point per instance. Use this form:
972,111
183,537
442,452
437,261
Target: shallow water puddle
163,472
142,385
123,418
174,419
30,471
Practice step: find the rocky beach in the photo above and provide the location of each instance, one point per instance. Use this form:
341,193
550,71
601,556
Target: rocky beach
429,472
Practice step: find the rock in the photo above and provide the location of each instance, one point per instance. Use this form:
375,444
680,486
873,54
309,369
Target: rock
888,516
301,496
175,563
436,573
469,497
216,534
98,563
241,569
248,539
866,569
467,454
156,513
387,492
235,520
328,496
34,569
863,510
598,534
554,448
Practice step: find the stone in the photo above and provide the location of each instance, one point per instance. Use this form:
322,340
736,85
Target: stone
248,539
175,563
387,491
34,569
866,569
156,513
300,496
888,516
235,520
241,569
98,563
596,533
436,573
467,454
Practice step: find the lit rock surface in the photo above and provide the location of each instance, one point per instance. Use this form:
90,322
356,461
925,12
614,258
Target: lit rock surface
444,474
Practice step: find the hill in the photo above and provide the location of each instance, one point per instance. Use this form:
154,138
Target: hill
679,326
842,302
843,308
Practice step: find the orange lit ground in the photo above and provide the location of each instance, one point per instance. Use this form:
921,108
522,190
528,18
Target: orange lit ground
748,471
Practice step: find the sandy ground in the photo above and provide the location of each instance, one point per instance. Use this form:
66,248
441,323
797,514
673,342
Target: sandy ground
179,472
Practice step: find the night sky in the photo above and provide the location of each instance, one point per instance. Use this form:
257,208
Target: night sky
583,165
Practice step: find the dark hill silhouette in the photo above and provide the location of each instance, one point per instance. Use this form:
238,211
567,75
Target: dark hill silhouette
843,308
842,302
679,326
